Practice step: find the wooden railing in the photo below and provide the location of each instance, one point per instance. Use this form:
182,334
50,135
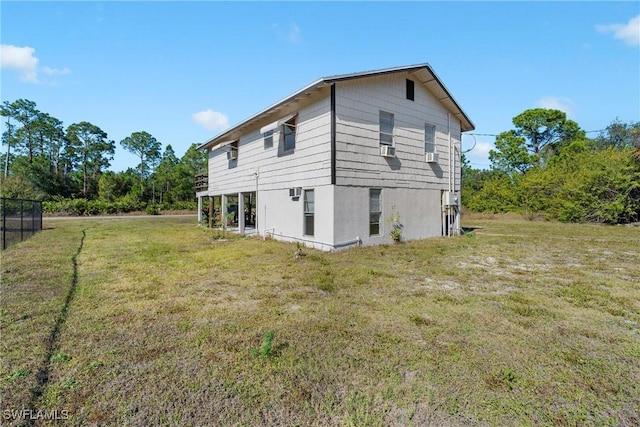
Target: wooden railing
202,181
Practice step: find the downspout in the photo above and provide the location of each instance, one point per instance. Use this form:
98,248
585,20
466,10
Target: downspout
257,174
333,157
448,207
450,151
333,134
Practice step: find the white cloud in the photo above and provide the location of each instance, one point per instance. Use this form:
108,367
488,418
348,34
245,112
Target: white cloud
292,35
23,60
629,32
20,59
479,155
211,120
55,71
557,103
477,151
481,150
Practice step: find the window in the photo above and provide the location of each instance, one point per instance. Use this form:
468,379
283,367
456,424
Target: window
375,211
309,209
386,128
289,134
410,90
233,150
268,139
429,138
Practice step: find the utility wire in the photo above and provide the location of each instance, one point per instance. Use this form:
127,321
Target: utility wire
493,134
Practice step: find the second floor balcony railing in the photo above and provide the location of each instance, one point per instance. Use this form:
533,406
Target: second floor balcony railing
202,181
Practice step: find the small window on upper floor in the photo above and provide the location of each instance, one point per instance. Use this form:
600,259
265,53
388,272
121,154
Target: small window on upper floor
429,138
233,150
268,139
386,128
410,90
289,134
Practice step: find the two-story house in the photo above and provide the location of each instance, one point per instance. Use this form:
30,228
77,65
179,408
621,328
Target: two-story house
333,164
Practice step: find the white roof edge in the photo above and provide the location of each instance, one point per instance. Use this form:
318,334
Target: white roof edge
317,83
336,78
370,73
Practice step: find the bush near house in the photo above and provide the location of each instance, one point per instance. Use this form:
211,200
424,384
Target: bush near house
547,167
84,207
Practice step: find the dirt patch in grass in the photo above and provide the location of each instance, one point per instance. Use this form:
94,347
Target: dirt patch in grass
523,324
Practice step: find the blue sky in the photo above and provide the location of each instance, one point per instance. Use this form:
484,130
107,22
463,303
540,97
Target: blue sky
184,71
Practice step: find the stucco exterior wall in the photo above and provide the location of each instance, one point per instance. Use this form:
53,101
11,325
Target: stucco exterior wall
419,211
282,216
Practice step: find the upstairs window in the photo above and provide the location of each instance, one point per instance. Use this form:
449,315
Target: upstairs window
289,134
410,90
386,128
268,139
429,138
233,150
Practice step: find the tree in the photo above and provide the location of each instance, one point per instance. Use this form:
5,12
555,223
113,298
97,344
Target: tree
112,186
619,135
192,162
147,148
26,113
165,174
538,135
92,151
511,154
49,134
546,129
14,187
472,181
8,137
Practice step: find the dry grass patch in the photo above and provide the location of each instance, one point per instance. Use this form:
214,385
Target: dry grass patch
526,324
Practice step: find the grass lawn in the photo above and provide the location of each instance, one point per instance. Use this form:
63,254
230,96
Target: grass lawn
155,321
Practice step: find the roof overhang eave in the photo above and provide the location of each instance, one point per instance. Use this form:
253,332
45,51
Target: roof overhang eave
423,71
229,133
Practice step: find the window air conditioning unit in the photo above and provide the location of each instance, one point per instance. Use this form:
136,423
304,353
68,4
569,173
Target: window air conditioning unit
431,157
233,154
295,192
387,151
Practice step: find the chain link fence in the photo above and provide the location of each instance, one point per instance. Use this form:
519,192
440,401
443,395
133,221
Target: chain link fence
20,220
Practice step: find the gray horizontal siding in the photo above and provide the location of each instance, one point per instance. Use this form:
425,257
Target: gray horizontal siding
308,165
358,161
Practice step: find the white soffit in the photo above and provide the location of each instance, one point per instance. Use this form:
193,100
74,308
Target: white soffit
277,123
224,144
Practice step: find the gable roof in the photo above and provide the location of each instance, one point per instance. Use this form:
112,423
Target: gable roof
423,73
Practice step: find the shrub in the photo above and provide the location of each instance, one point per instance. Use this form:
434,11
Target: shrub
152,209
577,185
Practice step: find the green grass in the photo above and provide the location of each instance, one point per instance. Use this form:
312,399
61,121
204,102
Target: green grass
528,323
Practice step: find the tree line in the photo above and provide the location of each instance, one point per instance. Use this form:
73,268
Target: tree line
69,168
546,166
